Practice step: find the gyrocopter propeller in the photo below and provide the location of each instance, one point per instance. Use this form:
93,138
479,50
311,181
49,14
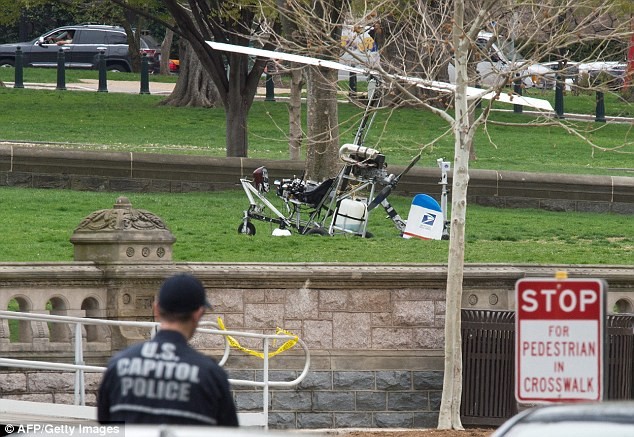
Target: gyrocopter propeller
387,190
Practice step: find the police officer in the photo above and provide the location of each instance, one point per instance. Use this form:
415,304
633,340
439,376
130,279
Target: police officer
164,380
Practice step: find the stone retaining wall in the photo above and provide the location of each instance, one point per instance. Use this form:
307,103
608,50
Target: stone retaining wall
375,332
40,167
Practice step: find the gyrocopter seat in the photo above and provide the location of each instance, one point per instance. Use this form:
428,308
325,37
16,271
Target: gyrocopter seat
306,192
314,194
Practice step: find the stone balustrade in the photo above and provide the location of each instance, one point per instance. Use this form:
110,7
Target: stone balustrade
375,332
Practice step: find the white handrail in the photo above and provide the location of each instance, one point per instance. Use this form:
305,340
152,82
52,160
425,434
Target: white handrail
79,367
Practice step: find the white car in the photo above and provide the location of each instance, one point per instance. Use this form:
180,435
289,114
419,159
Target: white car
609,418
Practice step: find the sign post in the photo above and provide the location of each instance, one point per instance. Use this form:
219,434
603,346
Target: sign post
559,339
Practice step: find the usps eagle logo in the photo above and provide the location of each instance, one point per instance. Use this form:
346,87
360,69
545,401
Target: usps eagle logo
428,219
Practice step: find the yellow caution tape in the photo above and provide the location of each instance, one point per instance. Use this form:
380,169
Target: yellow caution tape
235,344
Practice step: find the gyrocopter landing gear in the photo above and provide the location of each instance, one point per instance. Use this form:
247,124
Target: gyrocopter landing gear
246,228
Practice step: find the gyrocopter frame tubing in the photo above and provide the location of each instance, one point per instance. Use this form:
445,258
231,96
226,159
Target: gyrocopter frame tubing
294,209
250,191
374,100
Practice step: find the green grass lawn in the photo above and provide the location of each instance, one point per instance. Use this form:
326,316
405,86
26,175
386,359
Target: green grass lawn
205,223
132,122
205,226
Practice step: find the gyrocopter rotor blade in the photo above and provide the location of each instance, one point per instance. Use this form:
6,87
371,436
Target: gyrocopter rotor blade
387,190
286,57
472,93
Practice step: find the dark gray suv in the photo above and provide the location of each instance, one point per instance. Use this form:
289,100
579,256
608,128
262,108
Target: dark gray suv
81,45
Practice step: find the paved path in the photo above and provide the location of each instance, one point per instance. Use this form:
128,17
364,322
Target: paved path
119,86
114,86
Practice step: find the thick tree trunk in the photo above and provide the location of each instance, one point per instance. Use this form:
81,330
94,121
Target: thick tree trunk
322,124
194,86
166,48
295,132
237,108
237,141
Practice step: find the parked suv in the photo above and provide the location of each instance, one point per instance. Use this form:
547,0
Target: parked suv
81,44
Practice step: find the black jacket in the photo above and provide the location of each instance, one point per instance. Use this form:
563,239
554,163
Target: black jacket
165,381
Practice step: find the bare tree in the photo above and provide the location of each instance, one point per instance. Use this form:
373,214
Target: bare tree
133,24
235,77
290,32
464,40
166,48
314,28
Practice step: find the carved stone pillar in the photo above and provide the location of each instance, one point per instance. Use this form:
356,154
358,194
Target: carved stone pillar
123,241
122,234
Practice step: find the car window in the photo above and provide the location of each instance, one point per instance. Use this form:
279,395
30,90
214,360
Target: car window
91,37
58,35
117,38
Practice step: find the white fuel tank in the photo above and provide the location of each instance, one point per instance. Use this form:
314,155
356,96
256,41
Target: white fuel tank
351,215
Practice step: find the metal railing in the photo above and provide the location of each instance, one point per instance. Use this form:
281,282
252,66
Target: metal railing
79,366
488,353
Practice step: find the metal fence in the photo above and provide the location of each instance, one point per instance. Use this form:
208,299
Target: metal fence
619,357
488,359
488,367
80,368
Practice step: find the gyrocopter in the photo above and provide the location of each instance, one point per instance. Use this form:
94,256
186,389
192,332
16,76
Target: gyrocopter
341,205
337,205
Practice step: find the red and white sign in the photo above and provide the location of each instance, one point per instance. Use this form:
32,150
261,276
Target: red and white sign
559,347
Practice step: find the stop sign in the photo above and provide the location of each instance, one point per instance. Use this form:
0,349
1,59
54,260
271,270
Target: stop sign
559,347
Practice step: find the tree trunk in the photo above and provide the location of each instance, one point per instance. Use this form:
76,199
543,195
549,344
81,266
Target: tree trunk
322,124
194,87
166,48
449,416
237,108
132,21
291,31
295,132
473,156
237,141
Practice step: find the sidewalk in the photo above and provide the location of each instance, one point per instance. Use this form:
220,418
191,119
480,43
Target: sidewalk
114,86
121,86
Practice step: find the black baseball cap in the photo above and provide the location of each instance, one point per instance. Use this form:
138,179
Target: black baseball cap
182,293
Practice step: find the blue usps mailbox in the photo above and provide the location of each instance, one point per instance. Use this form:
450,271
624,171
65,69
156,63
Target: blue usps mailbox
425,219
